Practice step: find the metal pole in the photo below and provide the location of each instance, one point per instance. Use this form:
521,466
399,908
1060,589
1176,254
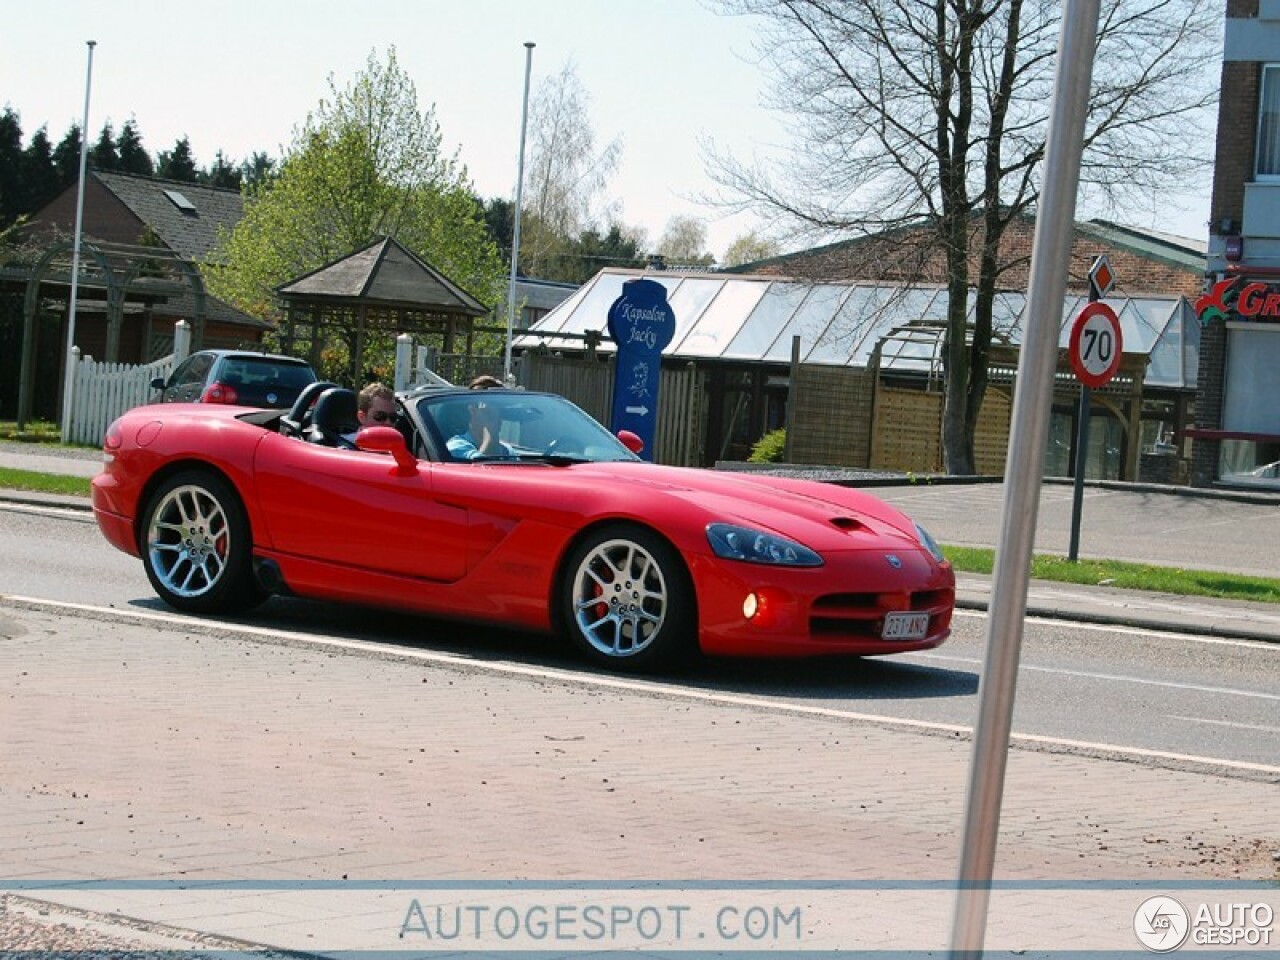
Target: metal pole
1055,227
515,234
69,375
1082,458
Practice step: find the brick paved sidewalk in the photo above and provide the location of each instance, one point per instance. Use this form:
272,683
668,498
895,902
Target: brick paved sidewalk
158,753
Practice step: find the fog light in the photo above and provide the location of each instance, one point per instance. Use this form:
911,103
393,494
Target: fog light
750,606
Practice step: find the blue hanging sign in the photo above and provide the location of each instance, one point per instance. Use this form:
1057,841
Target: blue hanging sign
641,324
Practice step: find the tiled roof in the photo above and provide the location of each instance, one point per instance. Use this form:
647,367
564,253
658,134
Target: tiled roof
188,228
384,274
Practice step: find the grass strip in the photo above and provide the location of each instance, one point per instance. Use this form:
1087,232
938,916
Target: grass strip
1129,576
43,482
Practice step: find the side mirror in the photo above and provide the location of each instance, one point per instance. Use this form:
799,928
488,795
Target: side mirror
157,383
631,441
388,440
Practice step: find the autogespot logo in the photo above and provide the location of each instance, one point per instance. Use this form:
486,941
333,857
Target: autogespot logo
1161,924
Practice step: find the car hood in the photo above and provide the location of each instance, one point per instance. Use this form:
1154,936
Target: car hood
822,516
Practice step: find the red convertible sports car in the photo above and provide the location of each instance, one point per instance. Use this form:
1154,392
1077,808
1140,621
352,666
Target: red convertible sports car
514,508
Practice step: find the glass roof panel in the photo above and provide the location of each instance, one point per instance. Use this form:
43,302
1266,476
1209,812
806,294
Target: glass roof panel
812,322
690,304
754,319
834,333
770,315
723,317
882,310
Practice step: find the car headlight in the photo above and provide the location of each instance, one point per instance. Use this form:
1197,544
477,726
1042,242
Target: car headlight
755,546
929,543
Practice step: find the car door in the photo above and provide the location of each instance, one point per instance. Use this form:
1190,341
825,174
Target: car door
354,509
186,383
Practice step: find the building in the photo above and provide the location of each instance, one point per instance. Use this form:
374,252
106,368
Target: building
869,316
1237,425
182,221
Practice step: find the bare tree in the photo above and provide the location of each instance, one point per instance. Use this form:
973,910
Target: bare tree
684,242
932,115
566,174
750,247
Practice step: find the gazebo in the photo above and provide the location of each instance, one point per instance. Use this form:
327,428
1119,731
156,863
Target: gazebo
379,291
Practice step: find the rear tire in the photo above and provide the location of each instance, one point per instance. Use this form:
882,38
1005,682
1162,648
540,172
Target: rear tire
627,601
196,545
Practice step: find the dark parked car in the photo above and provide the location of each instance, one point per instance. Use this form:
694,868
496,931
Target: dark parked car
238,377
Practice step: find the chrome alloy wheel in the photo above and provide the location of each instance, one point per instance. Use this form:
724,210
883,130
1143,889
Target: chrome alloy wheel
620,599
189,541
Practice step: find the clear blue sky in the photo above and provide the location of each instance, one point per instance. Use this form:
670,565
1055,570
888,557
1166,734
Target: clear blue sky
238,76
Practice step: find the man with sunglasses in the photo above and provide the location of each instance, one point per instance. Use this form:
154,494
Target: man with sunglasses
375,407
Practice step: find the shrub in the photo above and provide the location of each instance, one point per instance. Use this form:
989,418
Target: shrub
770,447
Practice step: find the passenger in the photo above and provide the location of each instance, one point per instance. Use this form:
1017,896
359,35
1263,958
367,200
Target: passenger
485,382
482,436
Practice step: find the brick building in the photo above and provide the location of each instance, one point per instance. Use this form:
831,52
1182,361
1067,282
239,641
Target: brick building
142,243
1237,425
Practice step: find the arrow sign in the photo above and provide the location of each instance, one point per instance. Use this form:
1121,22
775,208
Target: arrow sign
642,324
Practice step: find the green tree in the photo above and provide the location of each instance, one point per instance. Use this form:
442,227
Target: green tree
133,156
619,246
499,217
222,173
39,174
257,170
366,163
66,156
178,163
13,199
103,154
933,117
750,247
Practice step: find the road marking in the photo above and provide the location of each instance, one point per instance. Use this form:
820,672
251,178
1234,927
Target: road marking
1117,677
1144,632
1227,723
613,683
61,513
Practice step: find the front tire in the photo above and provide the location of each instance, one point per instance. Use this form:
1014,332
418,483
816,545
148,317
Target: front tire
196,545
627,602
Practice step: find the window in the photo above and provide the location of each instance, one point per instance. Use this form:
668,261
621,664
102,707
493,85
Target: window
1268,163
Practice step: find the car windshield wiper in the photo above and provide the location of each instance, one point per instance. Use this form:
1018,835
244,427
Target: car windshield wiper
555,459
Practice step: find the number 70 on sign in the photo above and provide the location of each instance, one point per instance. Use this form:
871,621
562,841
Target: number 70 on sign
1096,345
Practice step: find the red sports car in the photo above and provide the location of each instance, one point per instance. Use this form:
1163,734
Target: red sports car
514,508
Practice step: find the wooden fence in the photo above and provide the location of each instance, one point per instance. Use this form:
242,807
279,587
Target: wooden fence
102,391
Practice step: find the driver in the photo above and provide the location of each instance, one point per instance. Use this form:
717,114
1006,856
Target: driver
481,438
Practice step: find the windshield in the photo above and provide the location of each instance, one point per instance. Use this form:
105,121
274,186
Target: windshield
513,425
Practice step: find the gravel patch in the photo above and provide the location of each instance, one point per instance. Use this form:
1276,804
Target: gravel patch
29,927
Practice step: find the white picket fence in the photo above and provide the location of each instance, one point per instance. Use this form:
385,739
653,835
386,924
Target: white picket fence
102,391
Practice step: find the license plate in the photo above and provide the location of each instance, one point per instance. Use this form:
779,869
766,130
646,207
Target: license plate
905,626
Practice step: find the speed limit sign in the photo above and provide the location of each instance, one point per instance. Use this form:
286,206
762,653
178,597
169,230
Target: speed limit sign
1095,345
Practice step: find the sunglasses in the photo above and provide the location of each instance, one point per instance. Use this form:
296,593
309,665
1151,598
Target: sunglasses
379,416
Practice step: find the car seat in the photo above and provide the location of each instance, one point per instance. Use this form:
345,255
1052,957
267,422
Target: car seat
334,415
298,419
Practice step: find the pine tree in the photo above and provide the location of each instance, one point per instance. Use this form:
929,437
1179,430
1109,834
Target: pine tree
133,156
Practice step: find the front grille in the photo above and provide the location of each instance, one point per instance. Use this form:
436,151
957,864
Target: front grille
860,616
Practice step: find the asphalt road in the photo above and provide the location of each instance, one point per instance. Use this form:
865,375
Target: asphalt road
1096,687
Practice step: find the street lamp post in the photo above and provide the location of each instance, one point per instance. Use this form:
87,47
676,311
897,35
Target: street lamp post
515,233
68,386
